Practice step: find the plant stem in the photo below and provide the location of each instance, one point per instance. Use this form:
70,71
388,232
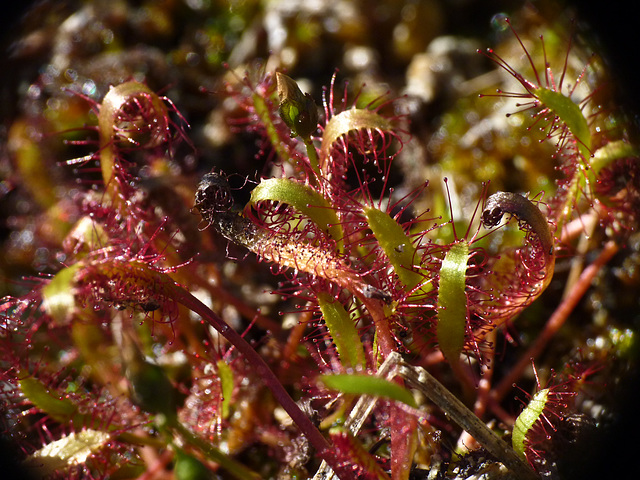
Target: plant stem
556,321
312,154
262,369
422,380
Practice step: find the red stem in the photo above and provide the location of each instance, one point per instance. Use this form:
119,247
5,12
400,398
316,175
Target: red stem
271,381
556,321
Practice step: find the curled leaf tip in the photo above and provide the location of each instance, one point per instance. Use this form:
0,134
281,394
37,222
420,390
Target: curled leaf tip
525,210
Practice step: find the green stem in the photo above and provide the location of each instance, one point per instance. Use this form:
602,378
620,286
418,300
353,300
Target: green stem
132,439
312,155
235,468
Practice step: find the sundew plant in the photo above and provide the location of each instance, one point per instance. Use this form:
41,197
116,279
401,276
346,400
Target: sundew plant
258,241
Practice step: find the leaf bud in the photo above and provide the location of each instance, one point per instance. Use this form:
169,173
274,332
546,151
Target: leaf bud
297,110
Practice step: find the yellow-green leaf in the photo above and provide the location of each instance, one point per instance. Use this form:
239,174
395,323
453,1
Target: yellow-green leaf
368,385
68,451
527,418
303,198
350,120
58,298
397,246
50,402
452,301
343,331
226,383
570,113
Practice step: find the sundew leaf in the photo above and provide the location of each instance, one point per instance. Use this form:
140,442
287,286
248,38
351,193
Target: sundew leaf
345,441
58,297
304,199
343,331
226,383
452,301
534,275
58,408
527,418
86,236
68,451
569,112
368,385
112,104
610,152
350,120
264,111
396,245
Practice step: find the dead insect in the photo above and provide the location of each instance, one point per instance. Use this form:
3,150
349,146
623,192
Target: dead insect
213,196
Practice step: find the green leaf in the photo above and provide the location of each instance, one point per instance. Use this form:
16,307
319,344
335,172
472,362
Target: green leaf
303,198
452,301
527,418
610,152
47,400
58,296
343,331
368,385
569,112
226,383
397,246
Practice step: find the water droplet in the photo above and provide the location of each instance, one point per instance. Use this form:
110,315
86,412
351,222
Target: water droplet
499,22
89,88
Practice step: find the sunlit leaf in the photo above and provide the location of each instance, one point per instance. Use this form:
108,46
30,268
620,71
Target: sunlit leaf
452,301
303,198
68,451
368,385
343,331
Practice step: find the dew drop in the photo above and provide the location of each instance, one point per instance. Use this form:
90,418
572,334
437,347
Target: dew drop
89,88
499,22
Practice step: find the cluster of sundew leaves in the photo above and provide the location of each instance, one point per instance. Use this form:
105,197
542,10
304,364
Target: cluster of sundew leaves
119,258
380,294
572,150
384,282
554,96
